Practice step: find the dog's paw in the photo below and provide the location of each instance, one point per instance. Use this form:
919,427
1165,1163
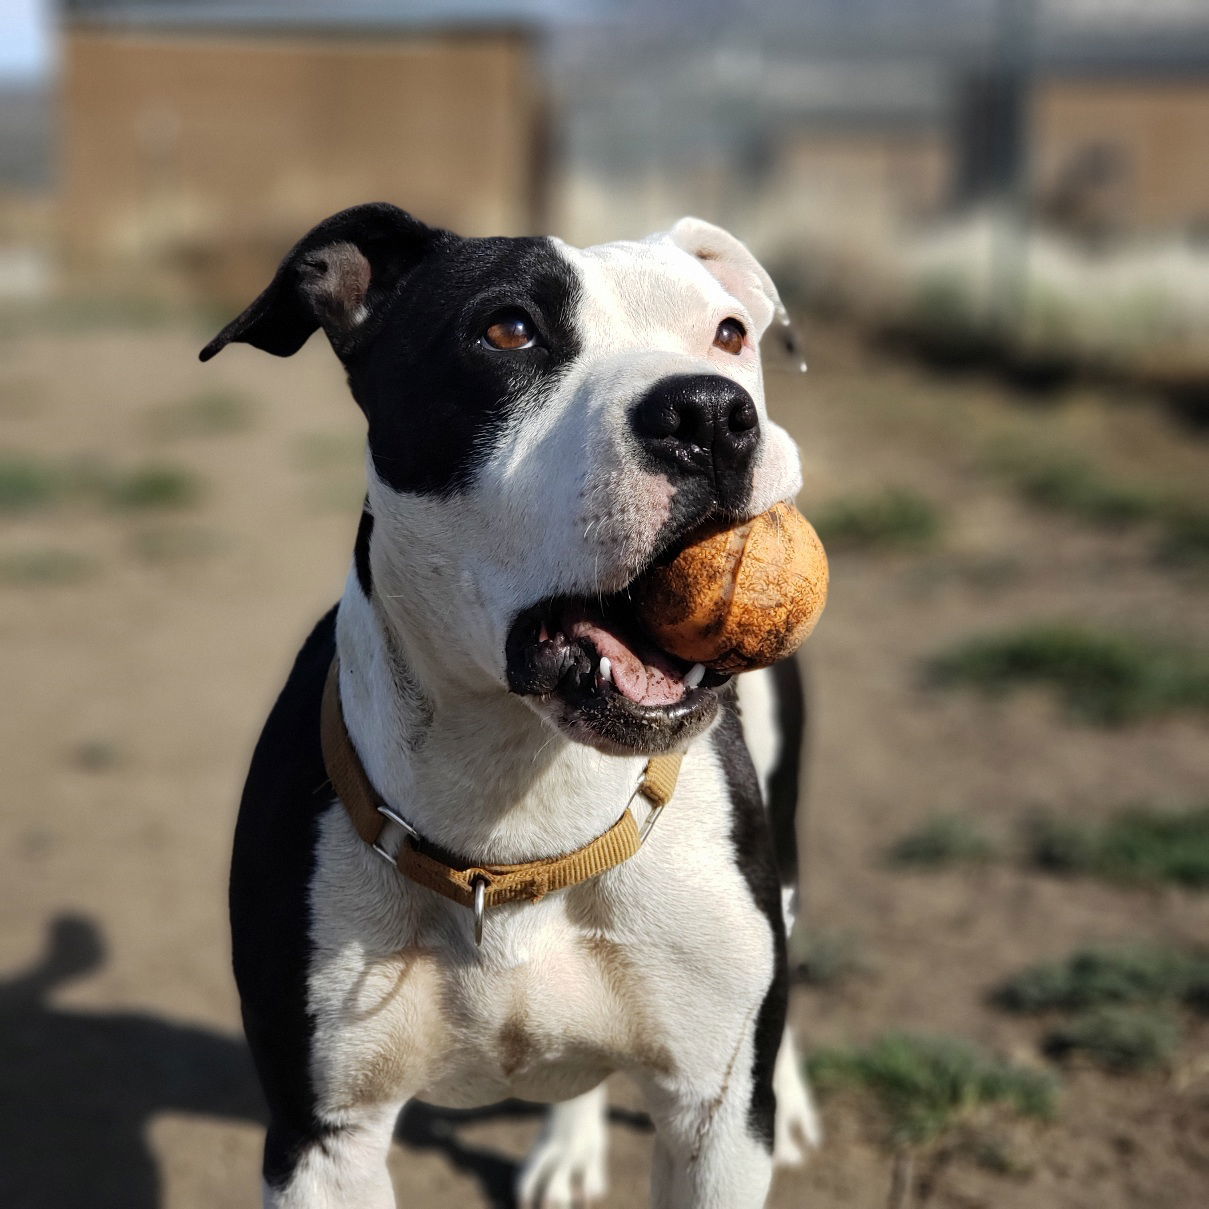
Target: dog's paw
798,1129
798,1132
566,1168
556,1176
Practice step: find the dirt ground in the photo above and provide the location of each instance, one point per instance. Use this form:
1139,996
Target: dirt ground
136,686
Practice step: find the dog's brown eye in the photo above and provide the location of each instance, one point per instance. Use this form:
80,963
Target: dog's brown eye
510,332
729,336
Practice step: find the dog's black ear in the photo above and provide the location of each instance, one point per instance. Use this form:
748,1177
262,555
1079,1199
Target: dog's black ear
336,277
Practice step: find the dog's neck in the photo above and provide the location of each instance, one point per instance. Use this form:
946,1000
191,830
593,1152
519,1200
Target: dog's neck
477,773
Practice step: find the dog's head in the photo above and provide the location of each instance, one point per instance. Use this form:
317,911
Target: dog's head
544,423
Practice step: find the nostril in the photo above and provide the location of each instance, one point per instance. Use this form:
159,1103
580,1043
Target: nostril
662,421
743,416
683,421
695,426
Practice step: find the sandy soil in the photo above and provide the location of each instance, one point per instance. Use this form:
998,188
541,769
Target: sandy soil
135,693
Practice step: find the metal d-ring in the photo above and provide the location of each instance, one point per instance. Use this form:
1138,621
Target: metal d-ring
480,906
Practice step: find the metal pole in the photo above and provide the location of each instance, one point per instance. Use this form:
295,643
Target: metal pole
1011,117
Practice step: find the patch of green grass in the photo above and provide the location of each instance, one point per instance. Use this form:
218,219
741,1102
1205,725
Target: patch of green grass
28,483
995,1154
1103,677
895,518
96,755
1064,483
930,576
1119,1039
821,958
1185,539
163,544
946,308
212,414
1140,844
154,485
944,840
1100,977
45,566
925,1086
1071,485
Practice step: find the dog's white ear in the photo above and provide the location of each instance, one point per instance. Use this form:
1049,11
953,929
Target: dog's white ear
336,277
730,261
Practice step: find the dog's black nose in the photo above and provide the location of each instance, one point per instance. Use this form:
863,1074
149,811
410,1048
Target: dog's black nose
702,424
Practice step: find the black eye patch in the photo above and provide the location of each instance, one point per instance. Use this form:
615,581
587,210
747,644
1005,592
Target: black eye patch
435,396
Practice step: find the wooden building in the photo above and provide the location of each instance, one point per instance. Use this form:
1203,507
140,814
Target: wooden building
196,153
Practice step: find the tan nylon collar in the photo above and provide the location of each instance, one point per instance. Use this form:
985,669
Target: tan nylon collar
422,863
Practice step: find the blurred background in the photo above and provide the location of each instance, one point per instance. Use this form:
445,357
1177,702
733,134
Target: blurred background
991,221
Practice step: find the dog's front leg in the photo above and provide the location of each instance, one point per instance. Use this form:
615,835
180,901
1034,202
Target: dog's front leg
711,1152
338,1166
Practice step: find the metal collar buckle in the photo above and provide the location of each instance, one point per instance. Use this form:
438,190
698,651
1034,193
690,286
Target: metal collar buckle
412,834
479,884
645,829
654,810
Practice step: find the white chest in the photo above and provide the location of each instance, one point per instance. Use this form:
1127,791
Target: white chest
612,976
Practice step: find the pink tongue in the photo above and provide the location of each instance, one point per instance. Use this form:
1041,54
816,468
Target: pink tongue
641,682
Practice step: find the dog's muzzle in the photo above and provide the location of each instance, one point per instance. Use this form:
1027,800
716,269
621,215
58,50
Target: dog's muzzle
590,666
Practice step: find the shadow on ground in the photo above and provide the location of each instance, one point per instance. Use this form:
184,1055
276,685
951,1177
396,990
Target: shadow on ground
423,1127
78,1091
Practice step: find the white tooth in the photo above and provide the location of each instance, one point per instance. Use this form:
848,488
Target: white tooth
694,675
606,670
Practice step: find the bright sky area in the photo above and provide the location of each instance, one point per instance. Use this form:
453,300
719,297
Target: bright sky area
25,42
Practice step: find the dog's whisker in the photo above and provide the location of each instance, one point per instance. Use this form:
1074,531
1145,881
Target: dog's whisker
537,754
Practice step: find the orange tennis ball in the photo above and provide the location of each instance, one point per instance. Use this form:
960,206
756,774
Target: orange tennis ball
742,598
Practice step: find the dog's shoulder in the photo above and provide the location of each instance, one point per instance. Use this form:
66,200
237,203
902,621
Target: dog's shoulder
286,787
272,865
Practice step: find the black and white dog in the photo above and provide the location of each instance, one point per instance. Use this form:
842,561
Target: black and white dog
544,422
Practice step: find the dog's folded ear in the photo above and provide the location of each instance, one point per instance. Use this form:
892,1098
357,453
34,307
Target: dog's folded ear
336,277
730,261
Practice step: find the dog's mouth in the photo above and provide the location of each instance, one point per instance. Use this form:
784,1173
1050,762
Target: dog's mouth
608,684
